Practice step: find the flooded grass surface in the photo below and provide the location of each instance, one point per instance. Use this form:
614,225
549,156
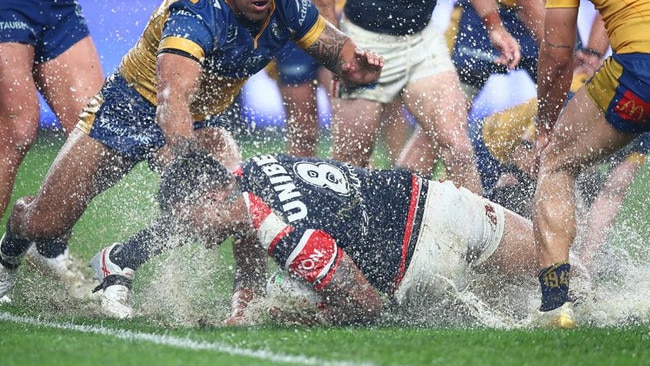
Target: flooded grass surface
181,297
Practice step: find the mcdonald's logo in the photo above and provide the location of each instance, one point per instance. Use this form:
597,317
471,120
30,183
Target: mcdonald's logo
632,108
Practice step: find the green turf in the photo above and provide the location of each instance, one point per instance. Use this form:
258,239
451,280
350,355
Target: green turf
41,331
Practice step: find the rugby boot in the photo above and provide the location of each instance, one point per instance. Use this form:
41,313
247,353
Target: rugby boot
114,282
558,318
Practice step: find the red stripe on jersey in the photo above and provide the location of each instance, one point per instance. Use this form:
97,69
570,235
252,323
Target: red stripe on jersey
257,209
238,172
284,232
314,256
416,186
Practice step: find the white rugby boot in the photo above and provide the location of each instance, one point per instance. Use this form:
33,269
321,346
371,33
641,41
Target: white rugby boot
559,318
115,283
65,269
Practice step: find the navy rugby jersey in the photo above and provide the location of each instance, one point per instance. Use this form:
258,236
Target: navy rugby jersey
373,215
230,49
394,17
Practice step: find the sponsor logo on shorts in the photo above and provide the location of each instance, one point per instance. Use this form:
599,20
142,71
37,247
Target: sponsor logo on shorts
13,25
632,108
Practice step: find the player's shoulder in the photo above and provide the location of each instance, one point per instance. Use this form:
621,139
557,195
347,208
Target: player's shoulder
208,11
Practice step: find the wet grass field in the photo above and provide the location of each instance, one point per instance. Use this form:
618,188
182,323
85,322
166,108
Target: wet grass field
182,296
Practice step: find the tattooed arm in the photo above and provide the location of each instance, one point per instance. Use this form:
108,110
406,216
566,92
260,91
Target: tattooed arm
555,67
337,52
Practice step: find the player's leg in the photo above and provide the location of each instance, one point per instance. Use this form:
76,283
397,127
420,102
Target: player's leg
419,153
606,206
439,106
83,168
70,80
580,137
396,129
355,125
302,121
19,113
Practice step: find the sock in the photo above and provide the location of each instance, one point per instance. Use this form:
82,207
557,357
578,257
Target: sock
12,249
51,248
142,246
133,253
554,282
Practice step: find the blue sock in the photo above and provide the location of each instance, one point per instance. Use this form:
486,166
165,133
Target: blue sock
554,282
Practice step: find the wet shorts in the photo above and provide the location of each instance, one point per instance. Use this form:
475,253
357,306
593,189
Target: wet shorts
459,230
295,66
406,58
122,119
51,26
621,88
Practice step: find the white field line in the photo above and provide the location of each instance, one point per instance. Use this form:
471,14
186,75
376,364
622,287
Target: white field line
172,341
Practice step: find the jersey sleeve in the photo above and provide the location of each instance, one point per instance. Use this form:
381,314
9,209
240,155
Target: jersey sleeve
304,20
188,29
308,253
562,4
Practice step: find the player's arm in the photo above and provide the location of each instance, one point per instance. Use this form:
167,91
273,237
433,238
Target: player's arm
555,67
531,13
349,298
250,277
590,58
500,38
178,78
338,53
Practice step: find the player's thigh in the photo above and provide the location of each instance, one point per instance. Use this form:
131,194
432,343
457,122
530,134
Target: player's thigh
19,109
438,103
581,136
70,80
355,123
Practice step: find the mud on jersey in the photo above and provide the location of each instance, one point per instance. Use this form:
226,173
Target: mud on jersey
374,216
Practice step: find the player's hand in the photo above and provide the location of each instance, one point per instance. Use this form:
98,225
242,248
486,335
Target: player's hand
510,52
239,304
364,68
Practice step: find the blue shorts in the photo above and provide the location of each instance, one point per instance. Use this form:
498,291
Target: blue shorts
473,53
295,66
50,26
122,119
621,88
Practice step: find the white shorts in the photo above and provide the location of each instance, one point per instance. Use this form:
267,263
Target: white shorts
406,58
459,230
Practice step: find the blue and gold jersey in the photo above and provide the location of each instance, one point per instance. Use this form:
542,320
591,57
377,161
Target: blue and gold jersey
373,215
627,22
230,49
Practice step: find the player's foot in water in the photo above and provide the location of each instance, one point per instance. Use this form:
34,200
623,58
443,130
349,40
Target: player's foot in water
115,283
65,269
558,318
